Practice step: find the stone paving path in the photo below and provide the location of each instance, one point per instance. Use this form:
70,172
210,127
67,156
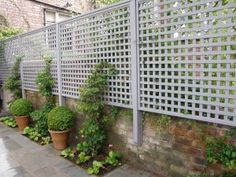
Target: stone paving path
20,157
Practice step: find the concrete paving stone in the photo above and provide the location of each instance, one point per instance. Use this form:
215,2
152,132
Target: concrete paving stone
75,171
127,171
39,159
25,142
8,145
14,172
6,162
49,172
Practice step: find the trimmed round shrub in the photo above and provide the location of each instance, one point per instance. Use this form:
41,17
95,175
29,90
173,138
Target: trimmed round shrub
21,107
60,118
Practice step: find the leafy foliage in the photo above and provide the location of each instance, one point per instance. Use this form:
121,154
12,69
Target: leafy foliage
13,82
68,153
60,118
101,3
83,158
34,135
94,137
21,107
114,112
45,81
218,151
95,167
91,106
6,32
9,121
113,158
40,118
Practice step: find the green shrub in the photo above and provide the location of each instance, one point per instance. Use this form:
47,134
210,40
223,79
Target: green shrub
40,117
13,82
94,137
60,118
21,107
92,107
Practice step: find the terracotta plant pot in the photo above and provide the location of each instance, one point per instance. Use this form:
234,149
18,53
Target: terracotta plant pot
59,138
22,122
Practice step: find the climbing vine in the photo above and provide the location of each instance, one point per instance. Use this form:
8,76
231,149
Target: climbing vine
45,81
13,82
91,106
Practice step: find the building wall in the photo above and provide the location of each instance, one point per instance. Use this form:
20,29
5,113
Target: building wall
175,150
76,5
29,15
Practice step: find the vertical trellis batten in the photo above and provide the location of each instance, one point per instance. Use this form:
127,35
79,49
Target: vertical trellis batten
137,116
58,59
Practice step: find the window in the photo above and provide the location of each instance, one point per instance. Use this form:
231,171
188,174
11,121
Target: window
51,17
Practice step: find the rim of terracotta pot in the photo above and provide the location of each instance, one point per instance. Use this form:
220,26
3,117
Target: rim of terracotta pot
21,116
63,131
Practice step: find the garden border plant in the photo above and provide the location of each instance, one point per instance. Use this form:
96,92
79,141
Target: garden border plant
89,153
21,109
9,121
60,121
13,82
45,83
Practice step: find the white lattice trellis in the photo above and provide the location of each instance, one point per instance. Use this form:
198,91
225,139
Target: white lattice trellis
30,69
181,56
188,59
90,39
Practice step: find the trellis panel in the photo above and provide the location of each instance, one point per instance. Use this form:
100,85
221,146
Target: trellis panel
188,59
90,39
39,43
30,70
186,56
9,50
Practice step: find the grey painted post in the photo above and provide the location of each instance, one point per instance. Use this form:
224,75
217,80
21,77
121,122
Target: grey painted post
58,58
137,116
22,80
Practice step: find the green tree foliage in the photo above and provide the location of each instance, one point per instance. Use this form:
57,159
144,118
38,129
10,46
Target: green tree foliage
6,32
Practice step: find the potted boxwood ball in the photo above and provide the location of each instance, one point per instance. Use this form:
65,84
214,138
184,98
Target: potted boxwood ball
60,121
21,109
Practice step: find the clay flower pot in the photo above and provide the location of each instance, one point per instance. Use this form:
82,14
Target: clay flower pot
59,138
22,122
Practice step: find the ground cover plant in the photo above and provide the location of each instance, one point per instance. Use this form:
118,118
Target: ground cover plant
10,122
34,135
